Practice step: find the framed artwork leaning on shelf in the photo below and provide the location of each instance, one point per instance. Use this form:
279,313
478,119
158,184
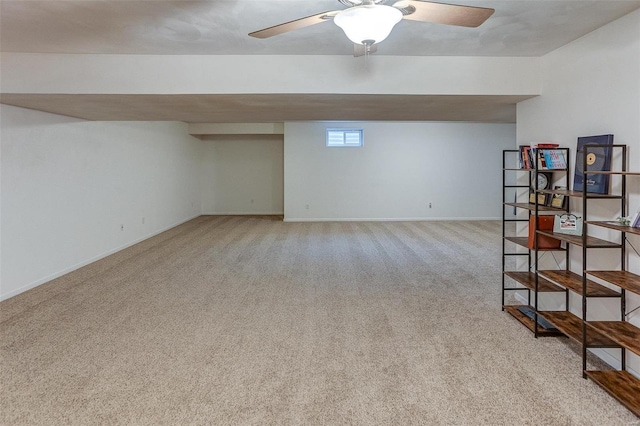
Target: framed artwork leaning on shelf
559,201
598,159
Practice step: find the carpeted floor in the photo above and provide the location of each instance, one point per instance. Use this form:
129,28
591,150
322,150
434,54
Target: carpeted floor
249,320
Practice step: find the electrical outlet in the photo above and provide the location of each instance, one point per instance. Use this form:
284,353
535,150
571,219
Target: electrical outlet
429,205
122,227
306,206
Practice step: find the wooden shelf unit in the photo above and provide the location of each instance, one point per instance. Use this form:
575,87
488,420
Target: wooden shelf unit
573,282
571,326
577,240
586,284
528,280
513,310
620,384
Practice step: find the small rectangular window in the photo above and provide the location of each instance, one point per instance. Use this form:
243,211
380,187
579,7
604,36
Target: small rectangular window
344,137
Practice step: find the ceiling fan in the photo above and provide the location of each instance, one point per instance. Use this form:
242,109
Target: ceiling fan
368,22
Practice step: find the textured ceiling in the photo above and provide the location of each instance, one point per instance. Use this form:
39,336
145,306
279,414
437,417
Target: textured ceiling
518,28
220,27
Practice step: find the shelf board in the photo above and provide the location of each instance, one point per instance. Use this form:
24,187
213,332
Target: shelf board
573,282
623,279
524,242
528,322
616,226
532,207
592,242
621,385
571,326
572,193
623,333
528,279
602,172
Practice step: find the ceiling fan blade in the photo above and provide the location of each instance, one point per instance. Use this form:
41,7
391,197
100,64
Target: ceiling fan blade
441,13
294,25
361,49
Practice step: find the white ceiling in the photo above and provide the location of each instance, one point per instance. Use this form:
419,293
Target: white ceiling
220,27
215,27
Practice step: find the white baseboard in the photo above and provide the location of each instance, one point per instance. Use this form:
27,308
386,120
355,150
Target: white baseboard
88,261
242,213
386,219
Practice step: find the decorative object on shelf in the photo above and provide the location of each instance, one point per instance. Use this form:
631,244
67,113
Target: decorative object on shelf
545,223
597,159
540,198
567,224
624,221
559,201
544,180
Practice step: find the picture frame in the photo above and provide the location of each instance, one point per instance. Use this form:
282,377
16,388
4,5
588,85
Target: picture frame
541,198
598,159
559,201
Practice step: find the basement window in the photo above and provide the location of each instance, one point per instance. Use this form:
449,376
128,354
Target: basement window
344,137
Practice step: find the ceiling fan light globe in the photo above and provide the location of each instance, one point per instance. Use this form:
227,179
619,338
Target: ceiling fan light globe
368,22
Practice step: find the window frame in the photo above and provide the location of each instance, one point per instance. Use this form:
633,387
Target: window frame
344,131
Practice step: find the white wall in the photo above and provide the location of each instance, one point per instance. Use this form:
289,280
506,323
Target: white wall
140,74
242,175
68,185
592,87
400,170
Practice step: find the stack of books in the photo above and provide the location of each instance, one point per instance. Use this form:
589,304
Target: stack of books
547,155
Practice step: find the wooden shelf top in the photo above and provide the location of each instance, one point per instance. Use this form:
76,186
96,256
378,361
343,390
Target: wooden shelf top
616,226
623,333
528,322
571,326
621,385
592,242
522,169
528,279
532,207
623,279
601,172
572,193
524,242
573,282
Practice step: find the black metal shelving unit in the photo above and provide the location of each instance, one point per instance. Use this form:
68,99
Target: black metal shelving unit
524,280
622,385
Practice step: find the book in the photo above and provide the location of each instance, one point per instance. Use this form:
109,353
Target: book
542,162
526,162
554,159
598,158
547,145
521,157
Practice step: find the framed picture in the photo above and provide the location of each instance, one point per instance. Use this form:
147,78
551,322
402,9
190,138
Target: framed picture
598,159
559,201
541,198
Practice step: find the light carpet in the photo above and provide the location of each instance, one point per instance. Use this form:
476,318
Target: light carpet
249,320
